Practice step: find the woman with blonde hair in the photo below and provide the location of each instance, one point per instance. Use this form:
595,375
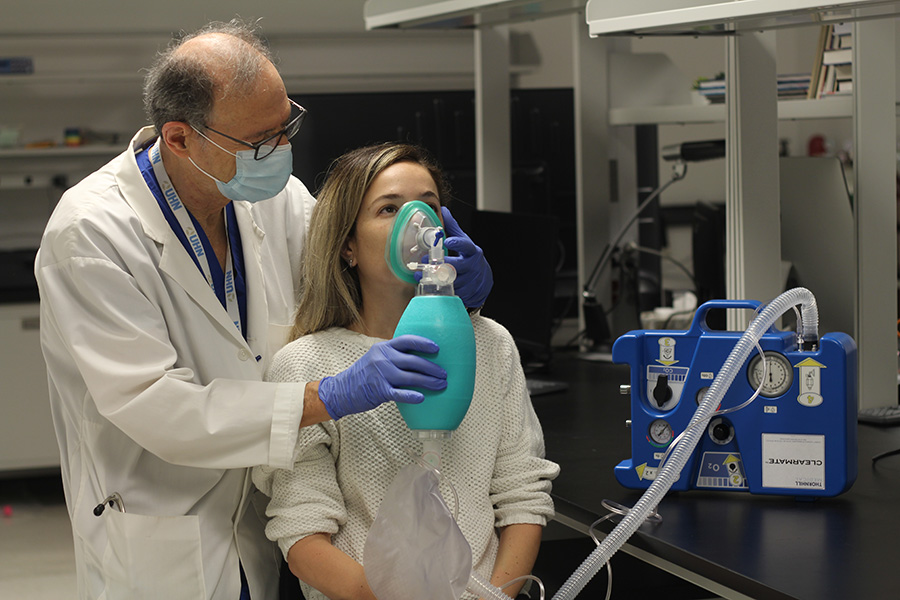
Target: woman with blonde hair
321,510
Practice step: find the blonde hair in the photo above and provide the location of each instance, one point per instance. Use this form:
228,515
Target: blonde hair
330,294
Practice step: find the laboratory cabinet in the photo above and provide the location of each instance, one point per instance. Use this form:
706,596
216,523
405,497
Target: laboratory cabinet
27,440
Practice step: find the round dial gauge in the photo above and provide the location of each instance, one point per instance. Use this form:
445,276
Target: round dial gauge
660,433
779,377
701,394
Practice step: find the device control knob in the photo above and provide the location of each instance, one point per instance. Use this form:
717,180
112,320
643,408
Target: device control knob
628,423
662,393
625,390
721,432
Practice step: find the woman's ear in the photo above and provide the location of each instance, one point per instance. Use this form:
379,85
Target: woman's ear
347,253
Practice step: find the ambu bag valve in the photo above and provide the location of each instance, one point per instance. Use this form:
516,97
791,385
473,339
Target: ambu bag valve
435,313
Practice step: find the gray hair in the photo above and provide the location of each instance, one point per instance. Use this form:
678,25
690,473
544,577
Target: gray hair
182,85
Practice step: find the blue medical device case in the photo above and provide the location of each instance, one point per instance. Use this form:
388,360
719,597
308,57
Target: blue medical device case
797,438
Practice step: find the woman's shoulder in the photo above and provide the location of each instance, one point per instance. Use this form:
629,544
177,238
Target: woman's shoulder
489,330
310,341
493,341
305,356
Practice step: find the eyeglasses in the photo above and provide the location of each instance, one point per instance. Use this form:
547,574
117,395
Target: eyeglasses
267,146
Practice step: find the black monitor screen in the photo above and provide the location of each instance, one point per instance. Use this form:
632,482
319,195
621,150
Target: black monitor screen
523,252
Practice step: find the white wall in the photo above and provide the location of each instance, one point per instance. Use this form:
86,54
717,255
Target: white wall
165,16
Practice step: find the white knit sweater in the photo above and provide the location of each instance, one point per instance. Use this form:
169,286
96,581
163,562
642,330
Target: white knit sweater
343,468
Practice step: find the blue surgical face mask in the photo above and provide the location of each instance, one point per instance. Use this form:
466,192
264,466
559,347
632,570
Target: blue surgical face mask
254,180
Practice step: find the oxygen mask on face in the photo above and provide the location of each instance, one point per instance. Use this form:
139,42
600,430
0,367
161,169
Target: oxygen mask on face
417,244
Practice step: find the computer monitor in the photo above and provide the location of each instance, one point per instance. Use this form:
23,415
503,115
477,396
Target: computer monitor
523,251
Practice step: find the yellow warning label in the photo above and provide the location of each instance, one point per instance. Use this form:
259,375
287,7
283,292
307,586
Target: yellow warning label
809,362
645,472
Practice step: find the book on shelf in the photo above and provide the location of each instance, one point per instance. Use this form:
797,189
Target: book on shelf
844,71
793,85
711,84
841,88
713,90
832,72
16,65
793,77
789,86
839,56
824,34
842,29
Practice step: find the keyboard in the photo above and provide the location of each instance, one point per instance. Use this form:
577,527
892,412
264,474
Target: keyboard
880,415
537,387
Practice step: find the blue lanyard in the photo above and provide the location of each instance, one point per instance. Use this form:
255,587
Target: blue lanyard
217,279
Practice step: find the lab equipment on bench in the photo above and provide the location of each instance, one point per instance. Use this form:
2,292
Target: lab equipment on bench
797,438
723,375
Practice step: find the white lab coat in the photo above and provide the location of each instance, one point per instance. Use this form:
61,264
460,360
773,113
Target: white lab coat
157,396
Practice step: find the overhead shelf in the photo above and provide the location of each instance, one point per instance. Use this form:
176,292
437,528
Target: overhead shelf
458,14
84,77
63,151
825,108
706,17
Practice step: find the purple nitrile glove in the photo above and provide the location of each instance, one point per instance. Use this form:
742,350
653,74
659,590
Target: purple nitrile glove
380,375
474,278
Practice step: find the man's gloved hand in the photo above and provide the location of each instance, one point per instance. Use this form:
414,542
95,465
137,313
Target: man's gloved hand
380,374
474,278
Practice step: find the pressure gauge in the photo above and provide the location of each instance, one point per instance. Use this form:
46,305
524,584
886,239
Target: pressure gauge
779,377
660,433
701,394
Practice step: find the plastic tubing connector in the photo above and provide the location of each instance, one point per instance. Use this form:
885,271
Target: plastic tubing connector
671,471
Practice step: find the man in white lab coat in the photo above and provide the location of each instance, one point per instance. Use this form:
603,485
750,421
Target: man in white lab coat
167,281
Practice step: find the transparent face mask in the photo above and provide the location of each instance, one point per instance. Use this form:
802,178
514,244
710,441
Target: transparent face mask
417,244
408,244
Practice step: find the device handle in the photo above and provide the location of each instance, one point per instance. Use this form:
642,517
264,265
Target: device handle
698,325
